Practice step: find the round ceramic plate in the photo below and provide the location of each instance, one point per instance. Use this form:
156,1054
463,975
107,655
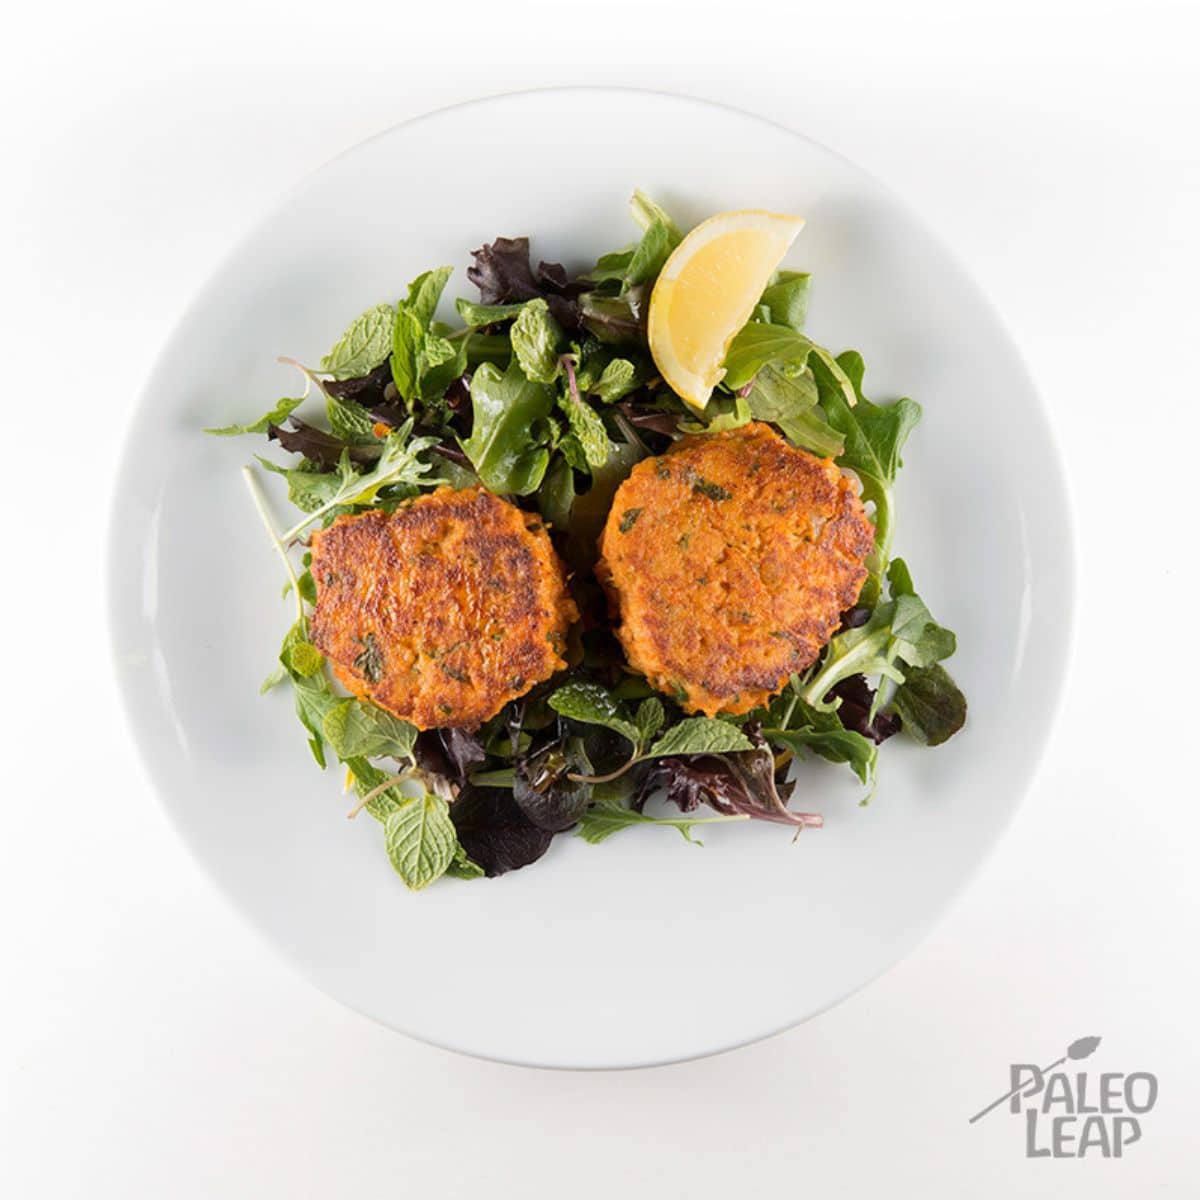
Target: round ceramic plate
643,949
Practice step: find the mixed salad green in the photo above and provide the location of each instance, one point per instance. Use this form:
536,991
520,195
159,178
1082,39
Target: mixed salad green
545,392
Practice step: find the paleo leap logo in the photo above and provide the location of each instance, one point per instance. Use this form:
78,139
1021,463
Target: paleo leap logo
1060,1119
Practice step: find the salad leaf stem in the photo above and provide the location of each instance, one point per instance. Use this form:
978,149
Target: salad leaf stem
260,504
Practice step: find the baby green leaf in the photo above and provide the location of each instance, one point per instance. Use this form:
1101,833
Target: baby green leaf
606,817
594,705
930,704
502,447
420,839
476,315
535,338
660,235
758,345
356,729
463,867
789,401
786,299
364,345
276,416
700,735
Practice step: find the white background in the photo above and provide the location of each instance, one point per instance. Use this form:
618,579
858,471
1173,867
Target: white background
151,1046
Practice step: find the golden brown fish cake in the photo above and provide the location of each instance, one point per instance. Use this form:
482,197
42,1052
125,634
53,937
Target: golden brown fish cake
730,560
442,611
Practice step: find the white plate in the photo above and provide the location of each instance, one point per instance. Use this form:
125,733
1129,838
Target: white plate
643,949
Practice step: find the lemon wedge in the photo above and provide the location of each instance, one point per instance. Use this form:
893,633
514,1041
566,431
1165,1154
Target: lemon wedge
707,291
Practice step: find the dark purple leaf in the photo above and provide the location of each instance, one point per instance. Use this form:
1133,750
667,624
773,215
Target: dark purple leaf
854,712
745,782
494,832
504,275
545,794
318,446
450,753
367,390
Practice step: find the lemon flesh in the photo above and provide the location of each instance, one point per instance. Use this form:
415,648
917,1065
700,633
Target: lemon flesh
707,291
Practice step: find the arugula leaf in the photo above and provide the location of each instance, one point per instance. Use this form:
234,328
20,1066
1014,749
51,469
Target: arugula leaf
758,345
420,840
606,817
502,446
900,630
786,299
535,337
700,735
276,416
365,344
874,436
356,729
399,463
592,704
824,734
930,705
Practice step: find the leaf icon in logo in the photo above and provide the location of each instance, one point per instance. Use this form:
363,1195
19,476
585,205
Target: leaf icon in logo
1083,1047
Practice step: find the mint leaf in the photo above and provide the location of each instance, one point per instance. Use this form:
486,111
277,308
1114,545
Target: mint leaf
365,344
617,380
786,299
420,839
356,729
588,429
276,416
408,337
594,705
606,817
424,293
503,449
700,735
758,345
649,719
349,421
303,659
535,337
